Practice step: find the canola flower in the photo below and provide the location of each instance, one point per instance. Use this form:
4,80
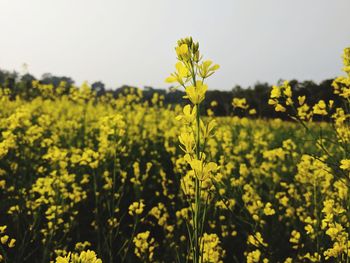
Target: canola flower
320,172
136,208
191,73
84,257
122,174
144,246
211,249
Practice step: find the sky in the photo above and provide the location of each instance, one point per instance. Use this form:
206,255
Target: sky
132,41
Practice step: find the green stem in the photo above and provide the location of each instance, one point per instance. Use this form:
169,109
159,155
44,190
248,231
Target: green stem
3,253
130,240
197,194
316,216
97,212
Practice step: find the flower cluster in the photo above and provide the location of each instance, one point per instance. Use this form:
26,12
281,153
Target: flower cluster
141,181
83,257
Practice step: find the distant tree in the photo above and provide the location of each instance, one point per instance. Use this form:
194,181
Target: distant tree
260,97
2,77
25,86
27,78
98,87
10,82
48,78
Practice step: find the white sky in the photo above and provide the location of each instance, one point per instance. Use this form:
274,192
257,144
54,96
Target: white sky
132,41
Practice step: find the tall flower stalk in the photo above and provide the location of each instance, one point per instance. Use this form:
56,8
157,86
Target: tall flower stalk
191,73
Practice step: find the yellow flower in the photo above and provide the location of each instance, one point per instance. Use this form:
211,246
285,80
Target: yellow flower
188,115
80,246
272,102
275,92
84,257
346,60
136,208
89,257
345,164
212,251
188,141
252,111
240,103
2,229
4,239
196,94
181,50
320,108
144,246
309,229
179,75
268,210
12,243
202,170
334,231
256,240
62,260
214,103
301,100
280,108
288,91
206,69
294,239
254,256
303,112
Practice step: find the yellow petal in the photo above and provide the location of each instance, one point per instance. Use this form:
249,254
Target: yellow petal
170,79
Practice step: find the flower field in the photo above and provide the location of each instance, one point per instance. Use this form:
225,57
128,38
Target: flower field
87,179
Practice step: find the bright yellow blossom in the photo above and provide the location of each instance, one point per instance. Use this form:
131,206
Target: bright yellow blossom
196,94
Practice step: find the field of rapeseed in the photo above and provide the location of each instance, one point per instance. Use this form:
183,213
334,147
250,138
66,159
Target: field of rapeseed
87,179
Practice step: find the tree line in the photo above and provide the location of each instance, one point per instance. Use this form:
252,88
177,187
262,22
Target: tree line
256,95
